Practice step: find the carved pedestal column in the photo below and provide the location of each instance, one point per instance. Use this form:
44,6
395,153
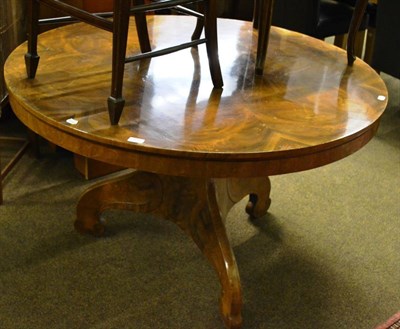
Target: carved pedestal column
198,206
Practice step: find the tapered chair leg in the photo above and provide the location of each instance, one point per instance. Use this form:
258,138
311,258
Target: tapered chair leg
356,20
199,23
142,31
198,29
210,30
31,57
120,34
262,20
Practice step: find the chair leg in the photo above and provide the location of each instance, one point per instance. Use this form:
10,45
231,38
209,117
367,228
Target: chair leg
340,41
141,28
356,20
200,22
210,31
256,14
31,57
369,45
198,29
359,43
264,22
142,32
120,35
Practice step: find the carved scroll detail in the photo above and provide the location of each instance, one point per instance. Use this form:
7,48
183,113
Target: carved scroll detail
198,206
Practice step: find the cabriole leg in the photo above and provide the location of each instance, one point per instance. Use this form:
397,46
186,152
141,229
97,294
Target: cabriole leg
197,205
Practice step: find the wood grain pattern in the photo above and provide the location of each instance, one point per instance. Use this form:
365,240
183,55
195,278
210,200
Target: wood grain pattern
308,109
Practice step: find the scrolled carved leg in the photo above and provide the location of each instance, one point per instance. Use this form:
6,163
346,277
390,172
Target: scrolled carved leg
198,206
139,191
259,200
204,224
232,190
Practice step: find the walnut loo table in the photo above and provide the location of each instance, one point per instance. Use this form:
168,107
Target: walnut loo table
197,151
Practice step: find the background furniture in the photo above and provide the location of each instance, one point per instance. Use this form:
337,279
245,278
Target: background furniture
317,18
198,153
370,39
264,9
386,55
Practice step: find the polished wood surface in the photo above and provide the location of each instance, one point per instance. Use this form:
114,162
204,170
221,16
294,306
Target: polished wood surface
199,150
308,109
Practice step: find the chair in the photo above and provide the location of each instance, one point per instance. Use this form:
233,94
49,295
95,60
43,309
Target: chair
317,18
386,53
367,29
372,9
118,26
325,18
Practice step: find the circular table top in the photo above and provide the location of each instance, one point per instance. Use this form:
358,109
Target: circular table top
308,109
